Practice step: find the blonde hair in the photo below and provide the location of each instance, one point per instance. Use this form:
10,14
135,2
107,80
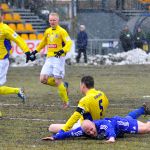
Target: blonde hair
54,14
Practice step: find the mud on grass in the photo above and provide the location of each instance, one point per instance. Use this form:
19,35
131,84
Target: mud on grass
23,125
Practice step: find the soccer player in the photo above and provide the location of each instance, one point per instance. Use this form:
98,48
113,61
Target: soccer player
7,35
59,44
92,106
107,128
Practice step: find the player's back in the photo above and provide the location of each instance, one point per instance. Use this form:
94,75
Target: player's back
95,104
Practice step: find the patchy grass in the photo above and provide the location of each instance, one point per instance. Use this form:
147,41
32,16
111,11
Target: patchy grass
125,87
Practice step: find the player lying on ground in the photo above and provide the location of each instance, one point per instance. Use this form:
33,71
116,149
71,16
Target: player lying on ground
54,128
108,128
135,114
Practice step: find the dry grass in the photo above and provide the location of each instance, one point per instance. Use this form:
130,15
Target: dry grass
125,87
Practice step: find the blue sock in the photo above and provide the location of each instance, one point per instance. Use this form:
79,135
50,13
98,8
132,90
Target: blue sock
135,114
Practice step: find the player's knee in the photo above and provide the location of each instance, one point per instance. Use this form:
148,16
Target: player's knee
58,81
43,80
51,128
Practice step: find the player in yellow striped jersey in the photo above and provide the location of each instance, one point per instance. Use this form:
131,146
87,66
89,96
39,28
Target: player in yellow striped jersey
53,70
7,35
92,106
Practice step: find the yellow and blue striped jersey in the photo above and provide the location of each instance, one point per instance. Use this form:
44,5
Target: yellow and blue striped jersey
55,38
93,106
7,35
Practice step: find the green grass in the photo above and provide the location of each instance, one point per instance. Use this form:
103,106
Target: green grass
125,87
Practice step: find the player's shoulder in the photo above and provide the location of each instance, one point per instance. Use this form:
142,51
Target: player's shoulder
62,29
48,29
86,99
5,26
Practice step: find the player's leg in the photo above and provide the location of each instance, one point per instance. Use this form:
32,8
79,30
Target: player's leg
62,91
143,127
46,76
59,72
54,128
143,110
4,90
52,74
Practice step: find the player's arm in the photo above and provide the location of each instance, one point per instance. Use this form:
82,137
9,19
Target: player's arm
72,133
109,132
72,120
39,47
110,140
67,40
63,135
42,43
81,109
12,35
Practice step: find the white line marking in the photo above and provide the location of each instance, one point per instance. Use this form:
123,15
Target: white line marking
34,119
145,96
72,106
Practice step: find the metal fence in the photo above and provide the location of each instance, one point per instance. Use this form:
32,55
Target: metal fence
103,46
110,5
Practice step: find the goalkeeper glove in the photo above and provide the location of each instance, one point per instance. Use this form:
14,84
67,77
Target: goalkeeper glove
33,55
59,53
27,56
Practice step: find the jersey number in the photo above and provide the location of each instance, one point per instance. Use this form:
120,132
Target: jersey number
101,107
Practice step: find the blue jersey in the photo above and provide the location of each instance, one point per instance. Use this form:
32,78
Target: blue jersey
116,126
106,128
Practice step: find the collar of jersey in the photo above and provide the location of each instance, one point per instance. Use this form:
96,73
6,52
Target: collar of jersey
90,91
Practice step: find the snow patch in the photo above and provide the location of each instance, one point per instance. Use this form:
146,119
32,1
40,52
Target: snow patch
135,56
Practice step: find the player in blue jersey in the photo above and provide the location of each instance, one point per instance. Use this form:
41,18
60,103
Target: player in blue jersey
108,128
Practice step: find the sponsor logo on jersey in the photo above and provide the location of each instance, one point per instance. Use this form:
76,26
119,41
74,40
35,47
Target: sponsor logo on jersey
52,46
56,36
15,35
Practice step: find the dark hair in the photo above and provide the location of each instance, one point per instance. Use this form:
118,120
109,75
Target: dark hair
88,81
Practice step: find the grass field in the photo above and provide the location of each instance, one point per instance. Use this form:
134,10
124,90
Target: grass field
23,125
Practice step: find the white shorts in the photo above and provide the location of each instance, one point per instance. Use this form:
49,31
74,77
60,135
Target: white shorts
76,125
54,67
4,64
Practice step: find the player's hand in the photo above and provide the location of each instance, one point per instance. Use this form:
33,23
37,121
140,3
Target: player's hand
27,56
110,140
48,138
59,53
33,55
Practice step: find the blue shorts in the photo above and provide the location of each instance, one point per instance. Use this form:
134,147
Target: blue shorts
126,124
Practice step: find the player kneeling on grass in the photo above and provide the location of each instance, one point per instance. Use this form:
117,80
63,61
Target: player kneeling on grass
109,128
